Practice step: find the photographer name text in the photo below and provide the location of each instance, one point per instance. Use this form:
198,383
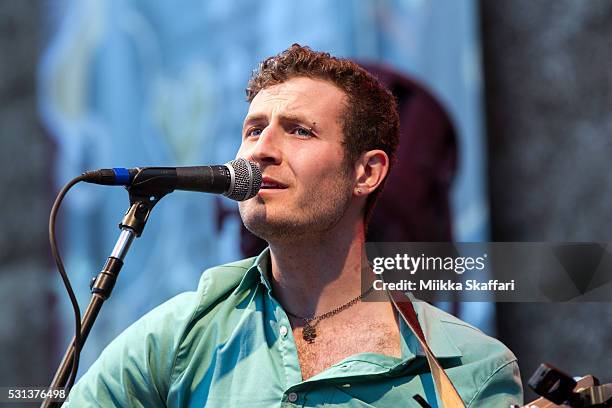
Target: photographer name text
444,285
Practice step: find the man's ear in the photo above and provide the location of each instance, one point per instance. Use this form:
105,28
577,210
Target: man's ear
370,170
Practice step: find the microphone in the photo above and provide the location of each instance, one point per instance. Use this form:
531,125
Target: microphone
238,179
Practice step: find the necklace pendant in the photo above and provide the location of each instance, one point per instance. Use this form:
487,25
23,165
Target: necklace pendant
309,333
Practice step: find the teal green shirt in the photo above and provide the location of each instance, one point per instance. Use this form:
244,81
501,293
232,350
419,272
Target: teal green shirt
230,344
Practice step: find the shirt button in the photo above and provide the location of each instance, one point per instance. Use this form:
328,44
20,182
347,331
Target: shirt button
283,332
292,397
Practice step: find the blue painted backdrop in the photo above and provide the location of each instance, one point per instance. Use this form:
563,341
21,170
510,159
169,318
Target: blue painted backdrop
129,83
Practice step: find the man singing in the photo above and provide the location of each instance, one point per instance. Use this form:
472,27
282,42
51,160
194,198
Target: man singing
290,327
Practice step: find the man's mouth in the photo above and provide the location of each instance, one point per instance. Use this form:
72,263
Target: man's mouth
268,183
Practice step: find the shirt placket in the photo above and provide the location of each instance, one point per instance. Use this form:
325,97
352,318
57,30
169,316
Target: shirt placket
297,391
293,394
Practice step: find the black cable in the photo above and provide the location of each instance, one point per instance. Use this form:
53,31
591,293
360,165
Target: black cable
421,401
62,271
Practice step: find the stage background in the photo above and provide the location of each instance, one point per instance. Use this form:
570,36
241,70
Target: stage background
109,83
160,83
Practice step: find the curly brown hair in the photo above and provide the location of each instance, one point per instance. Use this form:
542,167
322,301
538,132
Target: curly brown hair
369,120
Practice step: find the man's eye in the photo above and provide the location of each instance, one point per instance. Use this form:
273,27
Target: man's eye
302,132
253,132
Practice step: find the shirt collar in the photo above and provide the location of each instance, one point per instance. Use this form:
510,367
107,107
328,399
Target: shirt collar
438,339
258,272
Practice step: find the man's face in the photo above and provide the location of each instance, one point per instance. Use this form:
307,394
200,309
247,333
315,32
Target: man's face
293,131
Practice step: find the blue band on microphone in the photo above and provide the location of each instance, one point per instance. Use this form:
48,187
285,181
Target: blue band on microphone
122,176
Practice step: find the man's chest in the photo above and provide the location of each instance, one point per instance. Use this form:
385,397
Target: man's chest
333,343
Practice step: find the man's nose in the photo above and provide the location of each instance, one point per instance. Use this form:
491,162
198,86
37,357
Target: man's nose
268,148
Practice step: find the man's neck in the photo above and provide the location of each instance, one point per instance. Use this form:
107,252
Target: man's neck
313,275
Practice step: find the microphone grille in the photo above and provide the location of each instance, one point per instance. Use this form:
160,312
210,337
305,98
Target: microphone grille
246,179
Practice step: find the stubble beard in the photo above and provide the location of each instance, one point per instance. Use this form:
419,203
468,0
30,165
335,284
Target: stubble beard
313,214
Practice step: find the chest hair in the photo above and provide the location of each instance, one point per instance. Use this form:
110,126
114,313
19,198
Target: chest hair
336,341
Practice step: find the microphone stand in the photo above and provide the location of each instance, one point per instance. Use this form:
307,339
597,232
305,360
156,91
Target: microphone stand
143,197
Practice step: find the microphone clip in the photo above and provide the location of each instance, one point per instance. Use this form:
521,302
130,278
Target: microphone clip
144,193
